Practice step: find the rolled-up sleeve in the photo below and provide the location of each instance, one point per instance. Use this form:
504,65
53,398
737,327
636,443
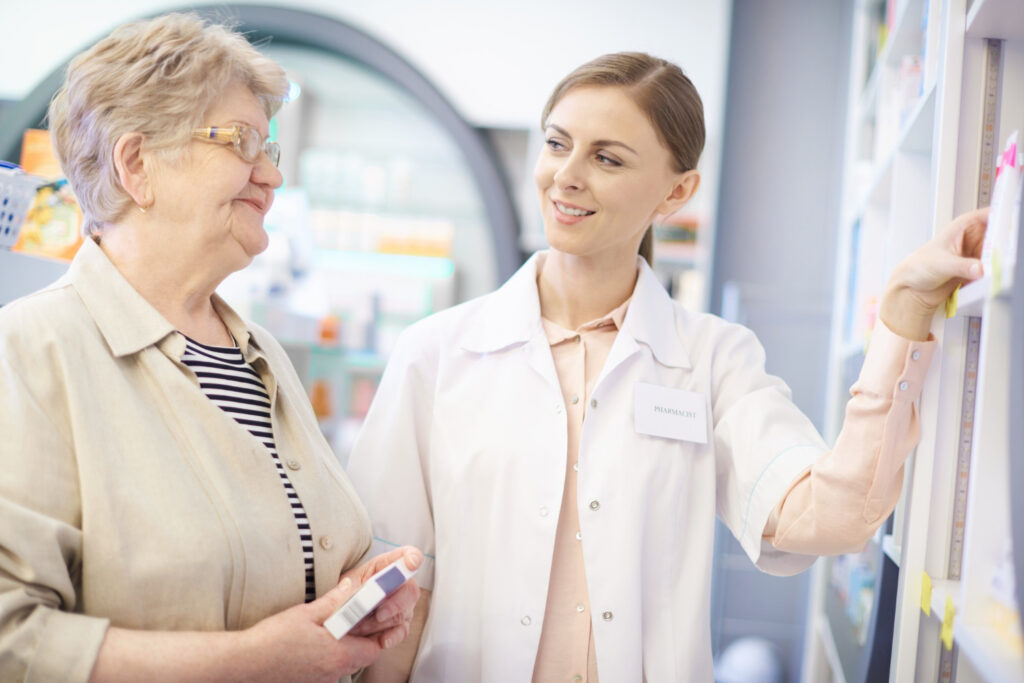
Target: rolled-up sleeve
846,494
42,638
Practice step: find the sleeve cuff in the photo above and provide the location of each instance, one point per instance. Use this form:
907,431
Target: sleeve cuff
893,361
425,574
67,648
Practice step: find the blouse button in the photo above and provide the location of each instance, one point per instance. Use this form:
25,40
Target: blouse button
580,607
575,467
294,464
903,386
326,543
607,616
915,355
575,399
579,536
577,679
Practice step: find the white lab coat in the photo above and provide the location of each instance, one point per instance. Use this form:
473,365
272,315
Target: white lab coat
463,455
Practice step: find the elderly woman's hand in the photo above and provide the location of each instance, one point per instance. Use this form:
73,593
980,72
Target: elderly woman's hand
926,278
294,645
389,624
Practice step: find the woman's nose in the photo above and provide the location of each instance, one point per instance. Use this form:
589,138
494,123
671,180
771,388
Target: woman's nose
265,173
570,173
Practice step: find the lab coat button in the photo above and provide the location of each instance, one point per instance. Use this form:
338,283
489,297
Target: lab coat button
294,464
326,543
543,511
593,403
903,386
525,621
595,505
607,616
916,355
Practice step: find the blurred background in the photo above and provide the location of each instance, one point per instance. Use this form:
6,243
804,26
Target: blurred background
407,153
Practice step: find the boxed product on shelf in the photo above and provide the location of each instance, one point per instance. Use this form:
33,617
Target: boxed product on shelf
999,251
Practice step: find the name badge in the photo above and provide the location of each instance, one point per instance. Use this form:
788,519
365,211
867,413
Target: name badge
671,413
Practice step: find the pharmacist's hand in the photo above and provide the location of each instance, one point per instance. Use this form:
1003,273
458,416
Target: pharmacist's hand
293,645
389,624
924,280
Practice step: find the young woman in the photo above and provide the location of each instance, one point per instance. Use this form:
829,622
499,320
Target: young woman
560,448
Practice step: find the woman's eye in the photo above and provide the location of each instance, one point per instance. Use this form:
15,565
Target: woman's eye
608,160
555,144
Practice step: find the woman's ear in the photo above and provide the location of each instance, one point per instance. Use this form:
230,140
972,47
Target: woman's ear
132,169
684,186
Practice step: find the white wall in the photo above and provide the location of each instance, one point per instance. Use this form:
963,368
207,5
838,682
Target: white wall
495,61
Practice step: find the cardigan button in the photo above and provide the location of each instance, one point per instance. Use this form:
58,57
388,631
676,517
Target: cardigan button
294,464
326,543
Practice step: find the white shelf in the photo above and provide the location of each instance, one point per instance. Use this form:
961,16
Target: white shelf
901,40
891,548
915,137
901,187
972,296
989,652
996,19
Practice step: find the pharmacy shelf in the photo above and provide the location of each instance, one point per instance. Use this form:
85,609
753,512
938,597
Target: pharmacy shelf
25,273
971,298
900,188
996,19
890,546
915,137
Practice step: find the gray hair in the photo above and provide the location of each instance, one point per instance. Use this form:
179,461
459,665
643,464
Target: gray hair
156,77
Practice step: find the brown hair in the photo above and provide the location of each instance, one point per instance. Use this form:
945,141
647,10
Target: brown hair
157,77
662,91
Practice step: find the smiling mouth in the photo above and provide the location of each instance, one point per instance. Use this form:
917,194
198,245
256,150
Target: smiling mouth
256,204
571,210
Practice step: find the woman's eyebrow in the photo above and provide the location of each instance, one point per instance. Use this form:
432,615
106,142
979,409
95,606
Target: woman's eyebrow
597,143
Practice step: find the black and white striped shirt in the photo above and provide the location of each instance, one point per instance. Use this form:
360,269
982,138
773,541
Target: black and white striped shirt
237,389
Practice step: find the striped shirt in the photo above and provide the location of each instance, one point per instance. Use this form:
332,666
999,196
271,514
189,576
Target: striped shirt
237,389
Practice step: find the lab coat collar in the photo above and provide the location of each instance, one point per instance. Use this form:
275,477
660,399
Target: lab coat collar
653,319
511,315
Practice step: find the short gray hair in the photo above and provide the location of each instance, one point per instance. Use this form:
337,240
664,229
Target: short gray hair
157,77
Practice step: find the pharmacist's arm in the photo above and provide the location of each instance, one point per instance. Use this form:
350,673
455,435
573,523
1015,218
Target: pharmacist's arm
846,494
395,665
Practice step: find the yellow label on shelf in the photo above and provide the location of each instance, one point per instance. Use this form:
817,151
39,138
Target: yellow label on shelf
926,594
952,301
947,623
997,273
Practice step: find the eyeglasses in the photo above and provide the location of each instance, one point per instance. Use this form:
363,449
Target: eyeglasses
246,141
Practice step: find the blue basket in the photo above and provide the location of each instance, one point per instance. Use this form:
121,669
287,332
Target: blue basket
17,191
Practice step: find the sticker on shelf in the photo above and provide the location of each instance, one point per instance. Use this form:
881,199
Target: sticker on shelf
952,301
947,623
926,594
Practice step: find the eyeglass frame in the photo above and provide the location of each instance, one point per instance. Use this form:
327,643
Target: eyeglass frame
233,136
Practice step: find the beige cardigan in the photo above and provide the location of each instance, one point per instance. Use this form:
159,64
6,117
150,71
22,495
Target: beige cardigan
128,498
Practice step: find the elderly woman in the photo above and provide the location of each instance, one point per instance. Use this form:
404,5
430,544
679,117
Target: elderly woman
170,510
